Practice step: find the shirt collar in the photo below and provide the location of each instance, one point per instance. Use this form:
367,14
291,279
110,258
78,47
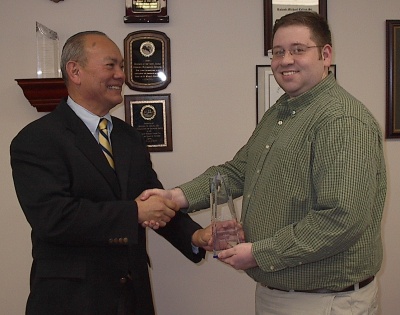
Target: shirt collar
90,120
309,96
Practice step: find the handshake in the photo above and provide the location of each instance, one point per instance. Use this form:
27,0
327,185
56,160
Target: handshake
156,207
216,237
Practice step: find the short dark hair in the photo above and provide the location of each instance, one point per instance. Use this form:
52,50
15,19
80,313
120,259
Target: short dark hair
320,32
74,49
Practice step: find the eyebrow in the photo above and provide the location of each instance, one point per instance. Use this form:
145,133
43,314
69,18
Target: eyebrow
293,44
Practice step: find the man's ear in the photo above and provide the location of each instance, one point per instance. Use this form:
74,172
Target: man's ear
73,70
327,53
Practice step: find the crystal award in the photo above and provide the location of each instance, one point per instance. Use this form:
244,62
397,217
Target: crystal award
47,48
226,230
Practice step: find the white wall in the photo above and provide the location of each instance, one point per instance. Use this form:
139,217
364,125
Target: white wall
215,47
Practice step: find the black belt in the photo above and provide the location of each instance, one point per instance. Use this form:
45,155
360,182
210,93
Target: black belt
350,288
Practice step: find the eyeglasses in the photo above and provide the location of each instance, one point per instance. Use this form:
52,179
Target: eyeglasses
296,50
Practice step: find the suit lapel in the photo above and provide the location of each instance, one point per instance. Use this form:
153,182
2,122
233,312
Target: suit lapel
122,151
86,143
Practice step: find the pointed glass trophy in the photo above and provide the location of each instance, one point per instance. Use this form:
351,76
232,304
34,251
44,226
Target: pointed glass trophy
47,46
225,227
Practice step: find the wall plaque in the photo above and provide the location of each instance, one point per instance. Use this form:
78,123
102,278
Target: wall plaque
147,61
146,11
151,115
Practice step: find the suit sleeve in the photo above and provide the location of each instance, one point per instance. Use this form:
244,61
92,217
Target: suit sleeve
179,233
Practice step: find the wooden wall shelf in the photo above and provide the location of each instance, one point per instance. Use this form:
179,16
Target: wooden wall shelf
44,94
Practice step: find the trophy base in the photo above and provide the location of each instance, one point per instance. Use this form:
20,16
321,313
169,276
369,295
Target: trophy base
146,19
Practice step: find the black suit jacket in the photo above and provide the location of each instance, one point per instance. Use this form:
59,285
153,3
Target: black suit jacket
89,252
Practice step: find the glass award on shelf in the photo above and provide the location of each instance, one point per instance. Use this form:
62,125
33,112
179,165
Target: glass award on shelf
47,48
226,230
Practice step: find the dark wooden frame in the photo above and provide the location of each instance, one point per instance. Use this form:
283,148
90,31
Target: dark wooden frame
392,79
268,23
151,100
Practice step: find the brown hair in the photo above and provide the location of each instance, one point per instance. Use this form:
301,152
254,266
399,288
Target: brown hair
320,32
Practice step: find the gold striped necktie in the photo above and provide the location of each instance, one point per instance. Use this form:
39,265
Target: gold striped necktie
105,142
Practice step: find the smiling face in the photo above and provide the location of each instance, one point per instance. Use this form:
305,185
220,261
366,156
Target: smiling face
297,74
97,80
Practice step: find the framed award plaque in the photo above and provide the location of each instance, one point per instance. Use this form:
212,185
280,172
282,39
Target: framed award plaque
275,9
147,61
146,11
150,114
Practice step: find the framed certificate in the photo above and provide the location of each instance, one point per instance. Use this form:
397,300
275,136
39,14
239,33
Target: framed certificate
151,115
267,89
275,9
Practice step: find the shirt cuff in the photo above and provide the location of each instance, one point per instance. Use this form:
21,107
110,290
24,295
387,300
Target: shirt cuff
195,249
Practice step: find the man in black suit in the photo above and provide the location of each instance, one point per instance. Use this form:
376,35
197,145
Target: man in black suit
88,235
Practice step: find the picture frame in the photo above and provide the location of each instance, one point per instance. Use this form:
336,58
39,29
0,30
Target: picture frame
392,79
150,114
267,89
275,9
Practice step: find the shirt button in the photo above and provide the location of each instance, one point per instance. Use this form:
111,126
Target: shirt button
258,171
248,196
267,146
294,112
280,122
271,267
123,280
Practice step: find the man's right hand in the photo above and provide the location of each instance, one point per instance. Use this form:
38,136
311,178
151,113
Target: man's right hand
156,209
176,195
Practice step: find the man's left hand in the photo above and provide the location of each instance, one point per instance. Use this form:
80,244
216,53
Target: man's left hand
239,257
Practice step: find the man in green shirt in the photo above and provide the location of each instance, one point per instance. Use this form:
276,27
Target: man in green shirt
313,181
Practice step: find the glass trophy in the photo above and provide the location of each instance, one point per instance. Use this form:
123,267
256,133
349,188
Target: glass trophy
47,48
226,230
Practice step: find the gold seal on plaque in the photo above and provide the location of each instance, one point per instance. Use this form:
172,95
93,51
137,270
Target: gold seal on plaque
148,112
147,49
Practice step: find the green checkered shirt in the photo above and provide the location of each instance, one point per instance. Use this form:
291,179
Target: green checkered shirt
313,181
